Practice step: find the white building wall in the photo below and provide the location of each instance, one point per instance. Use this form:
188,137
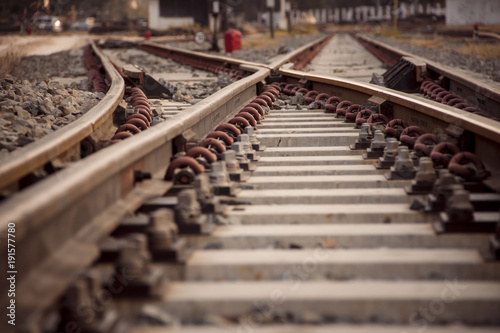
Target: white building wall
467,12
282,23
164,23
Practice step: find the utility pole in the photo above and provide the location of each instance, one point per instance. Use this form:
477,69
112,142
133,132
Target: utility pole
395,17
288,10
215,13
270,6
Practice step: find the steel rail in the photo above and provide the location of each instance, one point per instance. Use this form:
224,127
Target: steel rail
74,201
35,155
305,59
207,57
459,82
60,219
429,114
242,64
489,34
296,54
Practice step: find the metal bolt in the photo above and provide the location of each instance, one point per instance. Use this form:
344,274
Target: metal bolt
239,149
404,165
426,172
130,262
188,208
251,133
139,176
445,181
446,185
392,148
204,190
232,165
245,139
364,133
218,173
378,141
163,231
459,207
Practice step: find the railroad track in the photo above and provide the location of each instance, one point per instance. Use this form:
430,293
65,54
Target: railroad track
305,231
65,144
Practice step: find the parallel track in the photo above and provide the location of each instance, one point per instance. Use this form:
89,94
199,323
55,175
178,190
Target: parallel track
61,220
470,89
65,142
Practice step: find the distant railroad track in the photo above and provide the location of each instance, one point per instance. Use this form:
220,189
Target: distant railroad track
296,211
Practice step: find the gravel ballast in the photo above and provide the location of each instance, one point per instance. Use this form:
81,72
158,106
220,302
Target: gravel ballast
190,88
30,110
67,64
43,94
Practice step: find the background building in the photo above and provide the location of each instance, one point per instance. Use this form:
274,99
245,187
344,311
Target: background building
166,14
467,12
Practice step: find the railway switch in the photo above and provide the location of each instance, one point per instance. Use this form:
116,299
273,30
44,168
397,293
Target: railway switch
236,173
188,214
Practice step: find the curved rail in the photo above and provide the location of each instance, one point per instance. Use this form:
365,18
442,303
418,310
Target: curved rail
234,62
456,81
60,219
297,54
216,59
25,160
428,114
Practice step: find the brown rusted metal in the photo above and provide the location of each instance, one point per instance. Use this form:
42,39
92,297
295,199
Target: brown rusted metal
248,117
230,129
141,124
140,116
306,58
257,107
202,151
228,141
255,114
183,162
215,144
240,122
